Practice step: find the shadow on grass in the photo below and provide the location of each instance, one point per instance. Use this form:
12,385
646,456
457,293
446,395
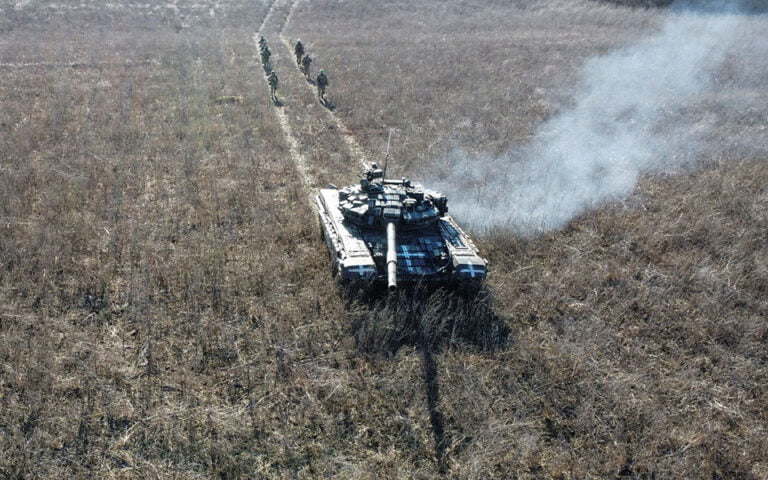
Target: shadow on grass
423,316
429,319
436,419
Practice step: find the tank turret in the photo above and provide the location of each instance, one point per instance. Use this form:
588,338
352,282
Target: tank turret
395,231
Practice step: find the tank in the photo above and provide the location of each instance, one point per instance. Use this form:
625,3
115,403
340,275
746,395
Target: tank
395,233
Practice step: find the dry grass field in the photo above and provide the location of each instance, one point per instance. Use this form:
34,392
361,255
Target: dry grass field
166,309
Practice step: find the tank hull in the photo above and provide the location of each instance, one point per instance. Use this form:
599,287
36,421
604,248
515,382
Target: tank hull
438,253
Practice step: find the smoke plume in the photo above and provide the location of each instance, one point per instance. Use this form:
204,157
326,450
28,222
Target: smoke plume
621,125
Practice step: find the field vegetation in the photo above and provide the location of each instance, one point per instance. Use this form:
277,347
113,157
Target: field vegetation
166,309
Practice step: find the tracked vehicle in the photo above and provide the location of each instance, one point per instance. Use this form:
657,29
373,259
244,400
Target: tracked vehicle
395,232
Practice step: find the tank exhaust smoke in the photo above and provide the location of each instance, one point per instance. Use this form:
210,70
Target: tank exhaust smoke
623,123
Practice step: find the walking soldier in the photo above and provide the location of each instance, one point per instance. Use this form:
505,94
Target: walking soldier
322,83
265,54
305,64
272,79
298,50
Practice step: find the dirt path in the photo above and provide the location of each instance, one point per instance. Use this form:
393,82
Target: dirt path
297,157
349,139
126,64
274,27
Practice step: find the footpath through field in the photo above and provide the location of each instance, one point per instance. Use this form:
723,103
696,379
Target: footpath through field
307,118
349,139
293,144
298,111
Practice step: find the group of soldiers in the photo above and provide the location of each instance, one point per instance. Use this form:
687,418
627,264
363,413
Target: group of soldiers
271,74
303,60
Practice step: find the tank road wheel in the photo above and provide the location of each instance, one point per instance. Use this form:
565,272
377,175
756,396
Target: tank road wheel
334,266
322,230
331,255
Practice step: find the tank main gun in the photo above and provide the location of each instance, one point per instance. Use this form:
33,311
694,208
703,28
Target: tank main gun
391,257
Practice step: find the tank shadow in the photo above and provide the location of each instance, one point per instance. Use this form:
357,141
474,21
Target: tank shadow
429,319
382,323
436,419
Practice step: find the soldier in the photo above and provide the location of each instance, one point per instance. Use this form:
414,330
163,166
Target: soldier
262,42
272,79
265,54
298,50
322,82
305,63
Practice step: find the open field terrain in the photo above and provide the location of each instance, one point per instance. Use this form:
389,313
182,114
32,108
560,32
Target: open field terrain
166,309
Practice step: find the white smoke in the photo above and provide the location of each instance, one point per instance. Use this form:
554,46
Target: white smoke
596,151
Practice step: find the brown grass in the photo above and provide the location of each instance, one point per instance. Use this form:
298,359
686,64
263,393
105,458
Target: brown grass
166,304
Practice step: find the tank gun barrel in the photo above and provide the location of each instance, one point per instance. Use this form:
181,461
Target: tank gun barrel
391,258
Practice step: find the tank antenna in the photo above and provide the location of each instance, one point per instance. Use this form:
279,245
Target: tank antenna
386,156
